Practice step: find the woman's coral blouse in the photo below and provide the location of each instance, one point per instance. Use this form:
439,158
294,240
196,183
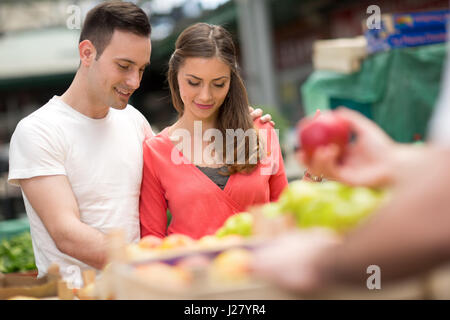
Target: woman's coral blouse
198,206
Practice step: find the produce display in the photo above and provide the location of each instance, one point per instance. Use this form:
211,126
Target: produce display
229,267
173,266
16,254
180,264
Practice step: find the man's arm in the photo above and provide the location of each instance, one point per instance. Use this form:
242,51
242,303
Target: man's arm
53,200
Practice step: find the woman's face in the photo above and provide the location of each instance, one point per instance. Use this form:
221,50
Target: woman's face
204,84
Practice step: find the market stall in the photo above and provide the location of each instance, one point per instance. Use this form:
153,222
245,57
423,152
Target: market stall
392,75
218,265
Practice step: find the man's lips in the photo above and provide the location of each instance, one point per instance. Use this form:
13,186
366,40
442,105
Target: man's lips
123,93
204,106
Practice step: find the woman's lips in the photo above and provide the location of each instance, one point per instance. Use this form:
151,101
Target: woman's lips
204,106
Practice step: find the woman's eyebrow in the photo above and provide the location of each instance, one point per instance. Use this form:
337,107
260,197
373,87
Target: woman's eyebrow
191,75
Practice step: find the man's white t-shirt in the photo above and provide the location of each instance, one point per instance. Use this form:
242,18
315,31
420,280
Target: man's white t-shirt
102,159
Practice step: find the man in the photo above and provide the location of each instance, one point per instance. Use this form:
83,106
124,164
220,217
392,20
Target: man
78,159
408,236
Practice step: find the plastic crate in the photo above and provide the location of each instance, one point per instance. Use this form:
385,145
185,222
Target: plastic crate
10,228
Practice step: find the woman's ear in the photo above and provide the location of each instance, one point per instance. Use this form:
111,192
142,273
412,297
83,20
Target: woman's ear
87,52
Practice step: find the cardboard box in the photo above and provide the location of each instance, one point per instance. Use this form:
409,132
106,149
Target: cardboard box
12,285
340,55
127,286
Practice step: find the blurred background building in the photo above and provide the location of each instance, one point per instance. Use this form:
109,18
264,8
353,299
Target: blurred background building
275,39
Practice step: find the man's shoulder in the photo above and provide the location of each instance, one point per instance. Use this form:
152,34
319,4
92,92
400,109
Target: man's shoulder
132,111
40,120
140,121
44,113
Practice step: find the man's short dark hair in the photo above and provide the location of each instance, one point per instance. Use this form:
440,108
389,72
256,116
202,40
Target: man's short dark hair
102,20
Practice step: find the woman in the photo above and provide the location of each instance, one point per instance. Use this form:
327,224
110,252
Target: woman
209,176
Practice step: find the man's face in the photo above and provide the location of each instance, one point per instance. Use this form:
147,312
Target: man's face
118,72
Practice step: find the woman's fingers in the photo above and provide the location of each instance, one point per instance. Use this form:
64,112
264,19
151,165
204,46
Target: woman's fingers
266,118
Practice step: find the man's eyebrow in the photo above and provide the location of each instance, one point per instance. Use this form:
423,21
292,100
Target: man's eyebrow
132,62
191,75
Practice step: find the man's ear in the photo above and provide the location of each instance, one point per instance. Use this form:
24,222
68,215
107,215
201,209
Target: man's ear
87,52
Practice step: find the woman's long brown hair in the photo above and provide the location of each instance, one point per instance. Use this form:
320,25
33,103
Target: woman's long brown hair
208,41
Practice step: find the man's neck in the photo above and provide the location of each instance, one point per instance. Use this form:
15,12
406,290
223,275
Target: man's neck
78,97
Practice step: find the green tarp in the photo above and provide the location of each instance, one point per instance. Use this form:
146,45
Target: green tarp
397,89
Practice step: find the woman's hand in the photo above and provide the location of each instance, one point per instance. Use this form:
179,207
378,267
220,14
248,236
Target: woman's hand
256,113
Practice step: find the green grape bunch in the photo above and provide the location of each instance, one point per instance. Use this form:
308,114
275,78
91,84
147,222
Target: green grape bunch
238,224
330,204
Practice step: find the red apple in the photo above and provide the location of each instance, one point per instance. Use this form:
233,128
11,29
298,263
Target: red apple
323,129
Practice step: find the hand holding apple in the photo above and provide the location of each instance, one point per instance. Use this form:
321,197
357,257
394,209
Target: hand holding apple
371,159
321,130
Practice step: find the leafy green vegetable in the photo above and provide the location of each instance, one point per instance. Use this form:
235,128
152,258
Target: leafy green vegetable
16,254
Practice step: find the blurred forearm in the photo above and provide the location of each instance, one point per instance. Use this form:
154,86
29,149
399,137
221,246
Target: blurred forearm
407,236
83,243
